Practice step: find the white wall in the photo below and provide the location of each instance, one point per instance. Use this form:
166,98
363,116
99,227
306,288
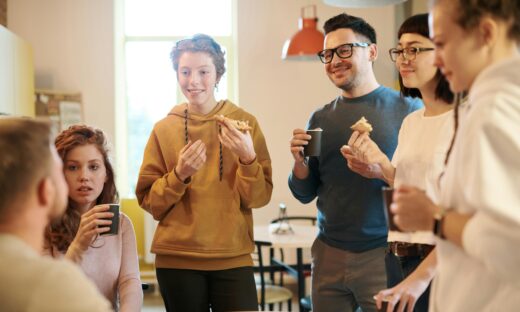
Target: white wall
74,50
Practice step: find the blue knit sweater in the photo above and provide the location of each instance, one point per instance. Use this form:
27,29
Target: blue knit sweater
350,207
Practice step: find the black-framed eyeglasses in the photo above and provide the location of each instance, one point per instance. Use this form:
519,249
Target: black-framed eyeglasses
409,53
343,51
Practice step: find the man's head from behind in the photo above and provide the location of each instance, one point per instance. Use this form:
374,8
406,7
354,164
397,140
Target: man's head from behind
30,170
349,50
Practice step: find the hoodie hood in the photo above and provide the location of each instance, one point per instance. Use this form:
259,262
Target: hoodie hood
223,107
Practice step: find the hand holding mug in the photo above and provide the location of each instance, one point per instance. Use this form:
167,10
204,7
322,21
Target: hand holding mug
413,210
298,141
92,223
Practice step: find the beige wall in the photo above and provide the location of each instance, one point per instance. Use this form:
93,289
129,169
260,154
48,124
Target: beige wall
3,12
74,51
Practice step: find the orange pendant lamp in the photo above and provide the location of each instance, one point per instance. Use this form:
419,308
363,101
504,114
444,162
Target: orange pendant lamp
307,42
361,3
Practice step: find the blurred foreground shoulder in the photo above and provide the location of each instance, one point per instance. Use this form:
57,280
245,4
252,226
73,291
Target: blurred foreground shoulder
63,287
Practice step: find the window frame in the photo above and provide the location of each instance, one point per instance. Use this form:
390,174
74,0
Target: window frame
121,96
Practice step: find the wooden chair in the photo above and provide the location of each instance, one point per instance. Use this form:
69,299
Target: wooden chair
268,292
305,303
297,219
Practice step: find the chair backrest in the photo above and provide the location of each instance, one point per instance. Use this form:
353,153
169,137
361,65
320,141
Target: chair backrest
261,270
310,219
267,289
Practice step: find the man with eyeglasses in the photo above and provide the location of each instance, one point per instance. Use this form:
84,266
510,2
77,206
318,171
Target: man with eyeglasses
348,254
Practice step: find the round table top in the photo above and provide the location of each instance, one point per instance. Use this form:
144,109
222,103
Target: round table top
302,236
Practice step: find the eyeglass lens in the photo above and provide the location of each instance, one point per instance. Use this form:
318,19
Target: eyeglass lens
343,51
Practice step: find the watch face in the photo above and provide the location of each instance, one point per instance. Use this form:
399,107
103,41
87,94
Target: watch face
438,227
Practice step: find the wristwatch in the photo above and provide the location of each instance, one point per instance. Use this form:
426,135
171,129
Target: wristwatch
438,223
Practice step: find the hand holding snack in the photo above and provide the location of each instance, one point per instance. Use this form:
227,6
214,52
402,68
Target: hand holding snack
369,171
242,125
364,156
235,136
365,149
362,126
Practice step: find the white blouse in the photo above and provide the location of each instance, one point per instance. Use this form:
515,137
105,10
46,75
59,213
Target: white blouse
419,160
483,178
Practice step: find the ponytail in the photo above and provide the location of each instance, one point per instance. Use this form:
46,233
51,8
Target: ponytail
459,98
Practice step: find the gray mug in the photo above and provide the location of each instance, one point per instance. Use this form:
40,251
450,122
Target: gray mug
114,227
313,147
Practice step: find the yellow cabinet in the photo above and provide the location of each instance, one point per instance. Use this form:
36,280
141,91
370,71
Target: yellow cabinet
16,75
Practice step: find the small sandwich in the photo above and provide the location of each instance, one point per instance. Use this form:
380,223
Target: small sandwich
362,126
241,125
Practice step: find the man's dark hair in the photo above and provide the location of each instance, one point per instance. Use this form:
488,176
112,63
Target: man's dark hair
358,25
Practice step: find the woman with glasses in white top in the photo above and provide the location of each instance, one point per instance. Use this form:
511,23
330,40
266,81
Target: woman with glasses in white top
423,140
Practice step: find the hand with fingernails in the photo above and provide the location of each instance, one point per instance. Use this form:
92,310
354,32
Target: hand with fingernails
298,141
365,149
238,142
403,296
91,224
413,209
364,156
191,158
370,171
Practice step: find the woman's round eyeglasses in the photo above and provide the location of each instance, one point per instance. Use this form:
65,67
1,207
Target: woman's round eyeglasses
409,53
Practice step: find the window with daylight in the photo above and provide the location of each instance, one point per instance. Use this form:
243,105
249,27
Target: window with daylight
150,29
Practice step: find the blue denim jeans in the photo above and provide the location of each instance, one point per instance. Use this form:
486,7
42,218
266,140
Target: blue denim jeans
398,268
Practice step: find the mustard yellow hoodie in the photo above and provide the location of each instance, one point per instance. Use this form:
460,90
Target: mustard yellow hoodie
205,224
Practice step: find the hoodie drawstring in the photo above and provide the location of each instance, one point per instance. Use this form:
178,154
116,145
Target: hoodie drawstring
186,139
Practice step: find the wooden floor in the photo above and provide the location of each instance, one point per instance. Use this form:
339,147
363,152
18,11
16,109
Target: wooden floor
153,301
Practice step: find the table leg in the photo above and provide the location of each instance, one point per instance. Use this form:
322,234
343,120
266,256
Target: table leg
301,276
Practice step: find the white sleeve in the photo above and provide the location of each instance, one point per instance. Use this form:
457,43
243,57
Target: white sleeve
64,288
400,143
495,243
492,185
